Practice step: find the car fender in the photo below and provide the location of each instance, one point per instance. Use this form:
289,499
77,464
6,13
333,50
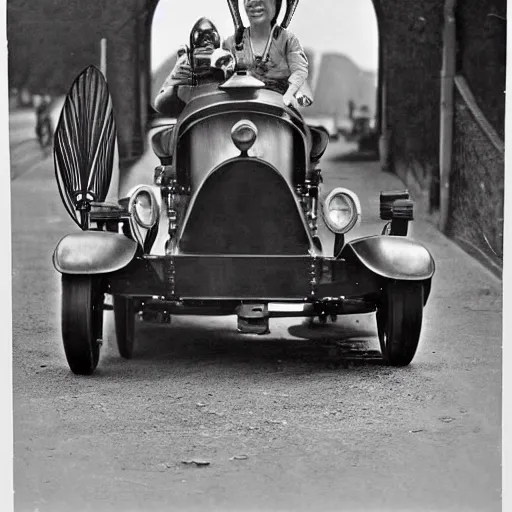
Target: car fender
93,252
392,257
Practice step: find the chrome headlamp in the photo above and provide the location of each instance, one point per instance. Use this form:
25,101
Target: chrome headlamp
244,135
143,207
144,211
341,210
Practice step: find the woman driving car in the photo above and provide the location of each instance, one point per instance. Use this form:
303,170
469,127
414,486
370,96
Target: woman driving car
269,52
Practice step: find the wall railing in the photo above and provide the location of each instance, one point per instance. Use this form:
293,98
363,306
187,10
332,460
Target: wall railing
470,101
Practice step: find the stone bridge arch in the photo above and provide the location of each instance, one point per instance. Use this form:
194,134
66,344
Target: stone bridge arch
65,35
147,8
457,127
410,59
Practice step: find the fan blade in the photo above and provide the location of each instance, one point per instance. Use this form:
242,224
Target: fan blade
234,9
84,144
290,11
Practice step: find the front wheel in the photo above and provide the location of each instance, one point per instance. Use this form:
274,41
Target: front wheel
82,321
399,319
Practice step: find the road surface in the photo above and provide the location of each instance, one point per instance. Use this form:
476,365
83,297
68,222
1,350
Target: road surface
301,419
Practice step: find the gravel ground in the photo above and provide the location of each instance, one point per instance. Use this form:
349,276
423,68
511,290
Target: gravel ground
301,419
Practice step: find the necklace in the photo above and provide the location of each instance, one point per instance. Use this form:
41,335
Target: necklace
263,59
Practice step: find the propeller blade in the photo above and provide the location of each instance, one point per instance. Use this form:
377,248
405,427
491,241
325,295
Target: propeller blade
290,11
84,145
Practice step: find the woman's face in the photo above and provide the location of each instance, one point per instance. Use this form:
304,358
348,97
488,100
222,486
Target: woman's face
260,11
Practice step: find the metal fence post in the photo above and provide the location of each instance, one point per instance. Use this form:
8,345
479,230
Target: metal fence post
446,128
103,57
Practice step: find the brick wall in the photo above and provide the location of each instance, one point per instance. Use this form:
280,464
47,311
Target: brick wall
51,41
476,186
68,34
482,46
58,38
477,180
412,59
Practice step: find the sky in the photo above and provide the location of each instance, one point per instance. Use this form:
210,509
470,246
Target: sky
346,26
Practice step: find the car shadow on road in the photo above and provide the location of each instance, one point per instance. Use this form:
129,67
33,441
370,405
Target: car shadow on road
312,348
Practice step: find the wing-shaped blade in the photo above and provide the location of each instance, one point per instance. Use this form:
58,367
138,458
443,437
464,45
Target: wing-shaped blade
234,9
290,11
84,145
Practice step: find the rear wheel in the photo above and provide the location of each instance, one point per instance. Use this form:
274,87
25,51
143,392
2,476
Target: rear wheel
124,315
82,321
399,320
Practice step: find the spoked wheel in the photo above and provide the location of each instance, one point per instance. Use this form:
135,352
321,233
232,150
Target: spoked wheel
124,315
82,321
399,320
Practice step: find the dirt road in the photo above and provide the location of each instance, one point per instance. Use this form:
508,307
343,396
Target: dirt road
301,419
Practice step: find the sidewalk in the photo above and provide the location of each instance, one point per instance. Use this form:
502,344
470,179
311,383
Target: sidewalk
412,425
367,180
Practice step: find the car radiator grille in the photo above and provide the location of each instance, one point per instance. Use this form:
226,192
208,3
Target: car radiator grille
245,207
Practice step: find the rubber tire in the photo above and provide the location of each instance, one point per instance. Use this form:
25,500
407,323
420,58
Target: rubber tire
399,320
82,321
124,317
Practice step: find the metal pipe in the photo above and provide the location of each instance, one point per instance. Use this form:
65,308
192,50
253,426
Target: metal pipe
447,106
384,132
103,57
380,75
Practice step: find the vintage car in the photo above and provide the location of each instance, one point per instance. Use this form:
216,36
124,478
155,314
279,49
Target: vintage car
228,224
359,127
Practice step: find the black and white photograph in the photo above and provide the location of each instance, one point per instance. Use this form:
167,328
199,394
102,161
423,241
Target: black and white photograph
256,255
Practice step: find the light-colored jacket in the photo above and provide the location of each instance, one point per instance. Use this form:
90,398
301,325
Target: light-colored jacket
287,60
286,64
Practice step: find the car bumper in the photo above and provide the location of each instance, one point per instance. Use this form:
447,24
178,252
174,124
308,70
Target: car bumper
244,278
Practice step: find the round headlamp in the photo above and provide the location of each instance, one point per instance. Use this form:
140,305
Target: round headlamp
341,210
144,207
244,134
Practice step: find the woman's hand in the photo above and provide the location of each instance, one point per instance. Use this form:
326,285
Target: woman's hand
290,100
224,60
182,69
303,100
